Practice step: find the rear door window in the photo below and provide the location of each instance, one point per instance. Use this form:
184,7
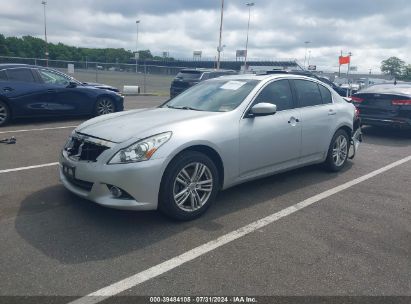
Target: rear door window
308,93
21,74
325,94
189,75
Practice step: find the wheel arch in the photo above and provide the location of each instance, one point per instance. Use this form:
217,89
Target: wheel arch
346,128
104,95
7,102
206,150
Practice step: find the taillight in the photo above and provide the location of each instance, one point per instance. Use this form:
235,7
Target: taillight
357,99
401,102
356,112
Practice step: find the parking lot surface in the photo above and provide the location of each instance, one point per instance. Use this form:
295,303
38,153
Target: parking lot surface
356,241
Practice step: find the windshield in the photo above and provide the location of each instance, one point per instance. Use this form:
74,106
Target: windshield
213,95
189,75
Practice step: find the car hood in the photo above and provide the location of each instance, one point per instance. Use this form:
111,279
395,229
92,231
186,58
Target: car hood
100,86
122,126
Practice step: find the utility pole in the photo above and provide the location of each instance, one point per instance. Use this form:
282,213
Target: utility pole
309,57
136,54
46,53
349,62
305,57
219,48
249,4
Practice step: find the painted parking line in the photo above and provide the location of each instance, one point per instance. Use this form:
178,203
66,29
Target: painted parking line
28,168
40,129
141,277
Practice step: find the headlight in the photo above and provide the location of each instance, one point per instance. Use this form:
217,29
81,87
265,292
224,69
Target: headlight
141,150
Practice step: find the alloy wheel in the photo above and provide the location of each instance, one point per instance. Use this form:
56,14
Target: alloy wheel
105,106
3,114
340,150
192,187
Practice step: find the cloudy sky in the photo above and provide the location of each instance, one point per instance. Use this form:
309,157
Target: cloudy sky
372,30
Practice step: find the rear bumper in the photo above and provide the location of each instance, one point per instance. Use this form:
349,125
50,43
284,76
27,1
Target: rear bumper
392,122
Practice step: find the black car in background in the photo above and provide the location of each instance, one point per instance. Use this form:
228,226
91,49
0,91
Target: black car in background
34,91
188,77
385,105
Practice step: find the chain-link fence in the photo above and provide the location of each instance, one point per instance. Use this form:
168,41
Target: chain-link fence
154,79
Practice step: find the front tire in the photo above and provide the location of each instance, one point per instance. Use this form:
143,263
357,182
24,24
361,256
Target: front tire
189,186
104,105
5,114
338,151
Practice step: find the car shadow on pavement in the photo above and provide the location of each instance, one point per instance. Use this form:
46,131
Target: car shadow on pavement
386,136
73,230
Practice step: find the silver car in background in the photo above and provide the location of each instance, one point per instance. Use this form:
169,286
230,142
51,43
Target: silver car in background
219,133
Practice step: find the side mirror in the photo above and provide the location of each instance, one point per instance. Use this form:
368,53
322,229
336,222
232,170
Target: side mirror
72,84
263,109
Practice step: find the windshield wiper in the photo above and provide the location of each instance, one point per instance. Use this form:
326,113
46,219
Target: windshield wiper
183,108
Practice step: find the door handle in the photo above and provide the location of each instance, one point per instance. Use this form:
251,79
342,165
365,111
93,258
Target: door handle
293,120
331,112
8,89
51,91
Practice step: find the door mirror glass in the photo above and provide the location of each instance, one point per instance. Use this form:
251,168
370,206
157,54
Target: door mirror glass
263,108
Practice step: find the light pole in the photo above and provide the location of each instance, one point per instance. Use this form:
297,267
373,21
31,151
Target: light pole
136,55
219,48
46,53
309,56
305,57
249,4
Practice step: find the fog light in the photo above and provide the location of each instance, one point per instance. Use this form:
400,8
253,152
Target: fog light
116,192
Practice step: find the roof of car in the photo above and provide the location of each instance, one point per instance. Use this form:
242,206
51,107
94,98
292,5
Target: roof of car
14,65
264,76
399,88
205,70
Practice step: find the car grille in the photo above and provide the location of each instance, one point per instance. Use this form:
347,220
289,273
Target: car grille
80,183
80,149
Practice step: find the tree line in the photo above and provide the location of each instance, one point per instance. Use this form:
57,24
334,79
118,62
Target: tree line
396,68
32,47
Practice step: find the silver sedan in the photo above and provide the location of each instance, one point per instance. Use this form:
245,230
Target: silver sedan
217,134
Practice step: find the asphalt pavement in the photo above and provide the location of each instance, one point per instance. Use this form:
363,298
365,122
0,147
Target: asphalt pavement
354,242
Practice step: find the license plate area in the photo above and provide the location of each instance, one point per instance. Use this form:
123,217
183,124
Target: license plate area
69,171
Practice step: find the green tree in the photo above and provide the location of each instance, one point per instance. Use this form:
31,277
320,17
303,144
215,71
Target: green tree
3,46
406,75
145,55
28,46
392,66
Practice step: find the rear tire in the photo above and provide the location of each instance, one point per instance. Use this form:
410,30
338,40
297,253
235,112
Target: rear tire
189,186
338,151
5,114
104,105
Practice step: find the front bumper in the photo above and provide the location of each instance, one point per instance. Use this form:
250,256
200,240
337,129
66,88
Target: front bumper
120,103
92,181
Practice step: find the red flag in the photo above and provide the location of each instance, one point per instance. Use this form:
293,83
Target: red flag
344,59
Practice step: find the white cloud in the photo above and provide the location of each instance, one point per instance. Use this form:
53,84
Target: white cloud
371,29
